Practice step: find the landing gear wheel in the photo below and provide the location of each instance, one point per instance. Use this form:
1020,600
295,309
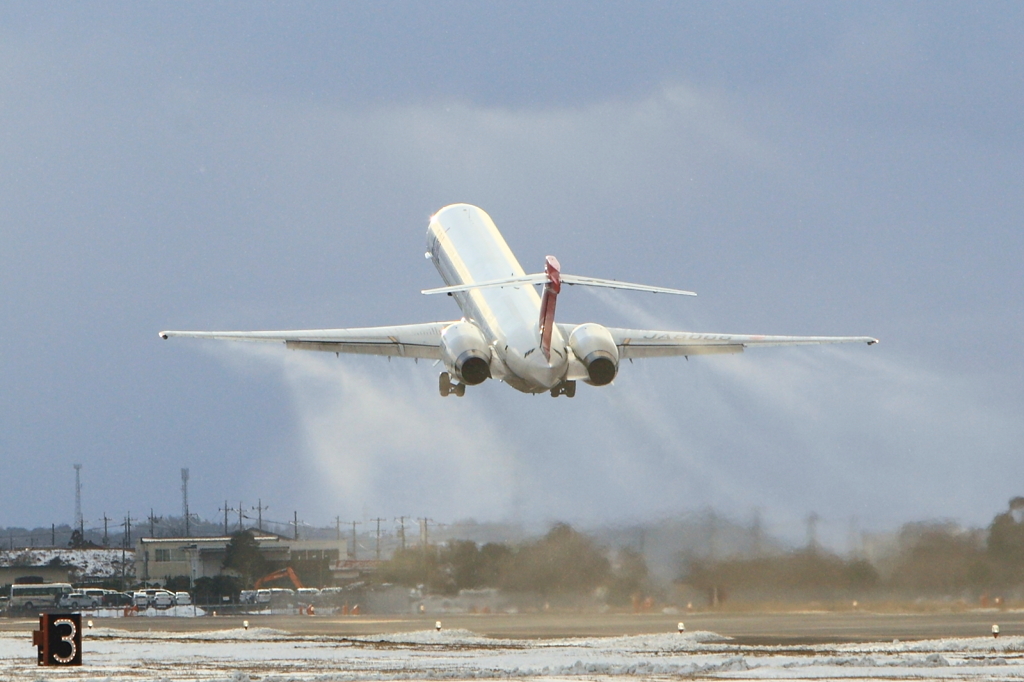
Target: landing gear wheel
566,388
445,386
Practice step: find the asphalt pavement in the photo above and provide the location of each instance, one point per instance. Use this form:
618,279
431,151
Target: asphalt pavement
746,628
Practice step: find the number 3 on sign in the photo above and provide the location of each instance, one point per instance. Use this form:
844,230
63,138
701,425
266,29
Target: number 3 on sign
65,654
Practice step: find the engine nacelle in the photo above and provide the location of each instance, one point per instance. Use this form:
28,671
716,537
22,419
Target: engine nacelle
596,349
465,353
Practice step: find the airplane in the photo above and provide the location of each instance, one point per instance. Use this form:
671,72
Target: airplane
508,331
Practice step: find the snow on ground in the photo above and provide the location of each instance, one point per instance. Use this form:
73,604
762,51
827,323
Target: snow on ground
190,611
87,563
275,656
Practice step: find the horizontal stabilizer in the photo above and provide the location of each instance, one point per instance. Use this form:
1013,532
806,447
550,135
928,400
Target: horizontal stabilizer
542,278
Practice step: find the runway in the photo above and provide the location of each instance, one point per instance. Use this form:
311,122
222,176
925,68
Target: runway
770,629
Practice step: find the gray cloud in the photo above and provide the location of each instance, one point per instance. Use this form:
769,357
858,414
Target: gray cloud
851,178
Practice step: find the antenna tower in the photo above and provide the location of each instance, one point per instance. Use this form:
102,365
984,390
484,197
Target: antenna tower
79,521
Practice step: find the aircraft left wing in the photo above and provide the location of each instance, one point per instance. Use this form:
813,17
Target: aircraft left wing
407,340
645,343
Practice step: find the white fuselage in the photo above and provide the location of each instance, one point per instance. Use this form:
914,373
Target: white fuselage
467,248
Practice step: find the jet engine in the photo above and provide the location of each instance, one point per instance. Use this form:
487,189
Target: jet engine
596,349
466,353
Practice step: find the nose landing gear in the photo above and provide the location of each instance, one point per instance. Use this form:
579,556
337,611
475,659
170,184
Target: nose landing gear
566,388
446,387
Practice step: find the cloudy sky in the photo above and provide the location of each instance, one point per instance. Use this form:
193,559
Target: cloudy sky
807,168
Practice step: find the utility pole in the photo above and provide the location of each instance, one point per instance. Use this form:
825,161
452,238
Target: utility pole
184,499
378,536
79,521
106,539
226,509
812,532
124,547
337,527
53,535
240,515
153,520
259,513
401,530
128,529
296,524
354,538
423,530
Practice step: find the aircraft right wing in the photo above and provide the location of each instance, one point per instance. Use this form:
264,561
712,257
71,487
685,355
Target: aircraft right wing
645,343
408,340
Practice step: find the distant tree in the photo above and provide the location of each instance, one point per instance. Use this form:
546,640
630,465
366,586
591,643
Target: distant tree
861,574
563,562
495,561
806,574
177,583
243,556
630,578
1005,544
76,541
212,590
937,559
456,565
412,567
462,564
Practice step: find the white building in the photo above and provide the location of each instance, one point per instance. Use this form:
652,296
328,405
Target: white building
161,558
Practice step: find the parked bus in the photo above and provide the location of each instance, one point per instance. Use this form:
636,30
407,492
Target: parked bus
36,596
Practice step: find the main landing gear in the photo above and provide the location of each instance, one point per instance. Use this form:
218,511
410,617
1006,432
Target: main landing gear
446,387
566,388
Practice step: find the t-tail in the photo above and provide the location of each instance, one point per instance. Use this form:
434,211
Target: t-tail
552,287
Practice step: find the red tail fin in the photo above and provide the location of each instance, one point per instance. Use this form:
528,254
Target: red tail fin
547,303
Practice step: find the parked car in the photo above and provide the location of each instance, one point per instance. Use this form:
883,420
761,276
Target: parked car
77,600
116,599
182,598
96,593
307,595
141,599
157,598
162,599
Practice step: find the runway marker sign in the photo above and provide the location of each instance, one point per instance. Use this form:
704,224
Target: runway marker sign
59,639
